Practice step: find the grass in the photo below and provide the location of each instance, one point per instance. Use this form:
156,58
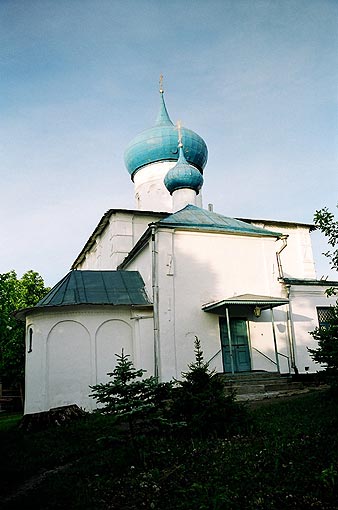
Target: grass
286,459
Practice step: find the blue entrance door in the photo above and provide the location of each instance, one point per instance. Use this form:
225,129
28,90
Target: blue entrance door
239,345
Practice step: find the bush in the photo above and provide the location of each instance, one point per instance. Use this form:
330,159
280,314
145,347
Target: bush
327,350
200,400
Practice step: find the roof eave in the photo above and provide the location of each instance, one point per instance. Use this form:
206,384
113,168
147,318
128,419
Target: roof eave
22,313
211,229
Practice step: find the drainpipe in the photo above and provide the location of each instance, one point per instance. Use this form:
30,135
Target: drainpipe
290,329
291,333
154,283
279,263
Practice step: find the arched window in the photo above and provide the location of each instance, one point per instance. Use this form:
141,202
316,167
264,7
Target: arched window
30,340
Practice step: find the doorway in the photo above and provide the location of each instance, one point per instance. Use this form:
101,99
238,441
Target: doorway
239,345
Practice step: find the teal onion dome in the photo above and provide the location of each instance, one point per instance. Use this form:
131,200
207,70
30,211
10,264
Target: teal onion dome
159,143
183,175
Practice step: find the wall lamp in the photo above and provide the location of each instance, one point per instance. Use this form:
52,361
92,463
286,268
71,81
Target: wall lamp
257,311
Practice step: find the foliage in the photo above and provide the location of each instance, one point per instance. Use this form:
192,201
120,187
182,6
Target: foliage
326,223
327,351
201,401
16,293
128,395
287,461
327,336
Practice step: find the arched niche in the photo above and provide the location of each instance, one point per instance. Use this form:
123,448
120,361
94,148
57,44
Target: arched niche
111,337
68,365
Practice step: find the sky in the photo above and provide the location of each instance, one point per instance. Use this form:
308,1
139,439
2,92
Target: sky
257,79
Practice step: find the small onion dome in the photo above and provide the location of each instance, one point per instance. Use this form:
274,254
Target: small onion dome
159,143
183,175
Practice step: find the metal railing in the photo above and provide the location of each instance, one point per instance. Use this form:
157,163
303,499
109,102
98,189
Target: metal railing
272,361
214,356
260,352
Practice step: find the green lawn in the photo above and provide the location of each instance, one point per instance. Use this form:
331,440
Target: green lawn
286,459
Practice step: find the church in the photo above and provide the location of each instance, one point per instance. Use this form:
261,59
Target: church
151,279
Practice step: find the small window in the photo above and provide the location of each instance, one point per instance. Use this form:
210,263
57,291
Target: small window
325,314
30,340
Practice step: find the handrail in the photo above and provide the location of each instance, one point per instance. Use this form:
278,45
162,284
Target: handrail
265,356
260,352
214,356
287,357
272,361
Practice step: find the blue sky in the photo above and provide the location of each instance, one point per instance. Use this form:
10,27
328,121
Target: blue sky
257,79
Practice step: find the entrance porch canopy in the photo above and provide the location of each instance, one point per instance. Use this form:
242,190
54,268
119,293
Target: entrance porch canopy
244,300
243,303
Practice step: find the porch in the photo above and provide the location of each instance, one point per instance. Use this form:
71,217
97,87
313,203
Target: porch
236,349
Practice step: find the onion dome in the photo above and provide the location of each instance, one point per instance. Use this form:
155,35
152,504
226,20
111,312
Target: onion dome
183,175
159,143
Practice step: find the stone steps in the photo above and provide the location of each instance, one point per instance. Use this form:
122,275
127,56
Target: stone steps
259,385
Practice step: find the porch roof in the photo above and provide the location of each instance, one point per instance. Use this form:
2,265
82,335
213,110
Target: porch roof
264,302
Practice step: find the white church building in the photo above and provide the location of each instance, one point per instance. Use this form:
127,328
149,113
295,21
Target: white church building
150,279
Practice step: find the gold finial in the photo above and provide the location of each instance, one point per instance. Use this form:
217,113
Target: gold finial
179,126
161,84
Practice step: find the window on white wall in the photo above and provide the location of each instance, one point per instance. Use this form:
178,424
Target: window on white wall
325,314
30,340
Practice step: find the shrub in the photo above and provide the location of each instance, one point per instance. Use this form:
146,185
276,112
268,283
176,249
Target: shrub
327,350
201,402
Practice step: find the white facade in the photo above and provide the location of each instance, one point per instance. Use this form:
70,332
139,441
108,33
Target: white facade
184,270
75,349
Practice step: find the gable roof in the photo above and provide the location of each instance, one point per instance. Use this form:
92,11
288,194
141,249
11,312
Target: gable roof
194,217
95,288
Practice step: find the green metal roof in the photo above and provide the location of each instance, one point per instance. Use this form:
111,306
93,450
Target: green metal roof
197,218
263,302
99,288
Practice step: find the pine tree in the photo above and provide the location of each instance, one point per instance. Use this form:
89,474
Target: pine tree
201,401
127,395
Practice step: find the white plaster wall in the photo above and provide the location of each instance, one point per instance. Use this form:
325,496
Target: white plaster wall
304,300
74,348
261,340
122,333
206,267
142,263
150,191
69,369
182,197
297,258
118,238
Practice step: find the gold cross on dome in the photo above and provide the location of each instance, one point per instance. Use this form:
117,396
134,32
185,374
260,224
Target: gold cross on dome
161,84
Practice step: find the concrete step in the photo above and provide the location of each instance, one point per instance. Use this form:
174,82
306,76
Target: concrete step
247,385
258,380
250,375
263,388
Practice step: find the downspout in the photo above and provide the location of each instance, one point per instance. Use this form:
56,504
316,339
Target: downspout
154,283
291,333
288,313
279,263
